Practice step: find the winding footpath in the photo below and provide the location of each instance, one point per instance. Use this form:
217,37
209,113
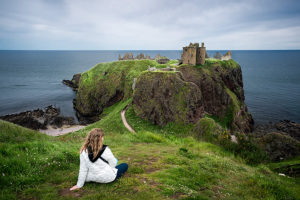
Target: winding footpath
125,121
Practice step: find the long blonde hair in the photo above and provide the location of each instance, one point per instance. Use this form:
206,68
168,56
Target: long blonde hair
93,141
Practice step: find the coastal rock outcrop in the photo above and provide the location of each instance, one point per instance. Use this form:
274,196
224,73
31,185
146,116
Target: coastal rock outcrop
74,82
286,127
39,119
163,97
291,128
185,96
106,84
280,140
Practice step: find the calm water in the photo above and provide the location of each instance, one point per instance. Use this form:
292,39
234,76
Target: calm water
32,79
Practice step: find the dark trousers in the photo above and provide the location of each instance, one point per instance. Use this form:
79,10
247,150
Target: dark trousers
122,168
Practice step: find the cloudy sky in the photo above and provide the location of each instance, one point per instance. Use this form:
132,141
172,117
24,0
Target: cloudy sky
149,24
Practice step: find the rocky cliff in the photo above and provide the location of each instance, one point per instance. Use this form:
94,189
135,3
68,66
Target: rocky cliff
106,84
214,90
161,96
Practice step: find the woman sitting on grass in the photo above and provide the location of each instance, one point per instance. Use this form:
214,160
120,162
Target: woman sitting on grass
97,163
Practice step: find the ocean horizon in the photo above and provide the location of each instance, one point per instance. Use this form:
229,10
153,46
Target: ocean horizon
32,79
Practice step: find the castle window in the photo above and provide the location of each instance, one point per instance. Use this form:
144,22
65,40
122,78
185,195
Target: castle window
191,55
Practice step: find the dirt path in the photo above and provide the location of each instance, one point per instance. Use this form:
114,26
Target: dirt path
125,121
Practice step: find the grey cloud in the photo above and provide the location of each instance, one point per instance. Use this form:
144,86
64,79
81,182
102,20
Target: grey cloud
145,24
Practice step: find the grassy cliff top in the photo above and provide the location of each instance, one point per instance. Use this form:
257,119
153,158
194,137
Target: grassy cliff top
164,163
133,68
113,72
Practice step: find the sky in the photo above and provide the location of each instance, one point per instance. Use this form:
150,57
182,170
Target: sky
149,24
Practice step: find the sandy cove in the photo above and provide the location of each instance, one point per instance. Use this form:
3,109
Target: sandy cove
61,131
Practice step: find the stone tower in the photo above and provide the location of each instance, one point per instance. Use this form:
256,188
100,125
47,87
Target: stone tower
193,54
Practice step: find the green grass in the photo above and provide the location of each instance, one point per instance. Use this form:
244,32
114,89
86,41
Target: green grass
171,62
164,163
224,63
288,167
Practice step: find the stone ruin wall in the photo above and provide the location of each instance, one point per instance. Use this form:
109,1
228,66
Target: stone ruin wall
193,54
201,55
129,56
189,55
226,56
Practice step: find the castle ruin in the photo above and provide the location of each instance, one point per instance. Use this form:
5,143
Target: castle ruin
129,56
193,54
226,56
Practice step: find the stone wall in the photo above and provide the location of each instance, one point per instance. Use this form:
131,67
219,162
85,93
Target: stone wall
193,54
129,56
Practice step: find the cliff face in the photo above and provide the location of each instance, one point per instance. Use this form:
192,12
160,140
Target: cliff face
191,92
214,90
163,97
106,84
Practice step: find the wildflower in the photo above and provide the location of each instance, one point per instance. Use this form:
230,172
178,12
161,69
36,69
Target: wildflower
3,174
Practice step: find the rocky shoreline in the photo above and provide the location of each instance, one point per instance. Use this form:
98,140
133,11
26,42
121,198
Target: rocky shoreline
280,140
48,120
40,119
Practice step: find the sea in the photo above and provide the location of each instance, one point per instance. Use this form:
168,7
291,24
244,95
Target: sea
33,79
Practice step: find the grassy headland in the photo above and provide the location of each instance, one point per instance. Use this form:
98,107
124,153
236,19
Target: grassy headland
164,163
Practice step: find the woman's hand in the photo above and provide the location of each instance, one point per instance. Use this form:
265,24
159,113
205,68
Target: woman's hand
75,187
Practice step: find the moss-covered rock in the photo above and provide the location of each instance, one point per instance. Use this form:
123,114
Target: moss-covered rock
208,129
163,97
106,84
219,89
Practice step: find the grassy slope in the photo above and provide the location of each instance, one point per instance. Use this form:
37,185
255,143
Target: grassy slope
110,74
164,163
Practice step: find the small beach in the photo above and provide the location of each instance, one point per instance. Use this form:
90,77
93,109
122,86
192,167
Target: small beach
61,131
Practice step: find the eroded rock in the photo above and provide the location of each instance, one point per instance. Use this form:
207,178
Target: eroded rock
74,82
39,119
214,90
162,97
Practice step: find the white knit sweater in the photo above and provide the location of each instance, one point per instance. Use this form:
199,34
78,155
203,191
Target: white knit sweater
98,171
